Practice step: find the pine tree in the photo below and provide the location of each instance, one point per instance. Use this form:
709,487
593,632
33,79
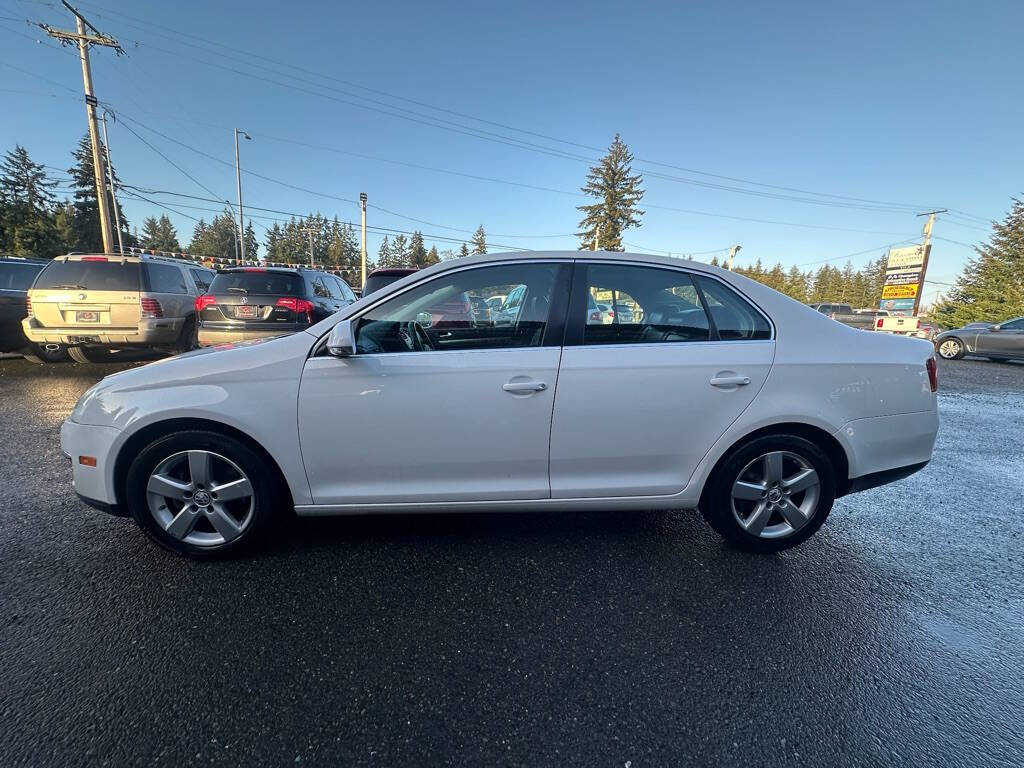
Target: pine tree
796,284
991,286
417,250
400,251
252,245
433,257
88,236
479,241
617,191
159,234
218,238
23,181
272,243
463,251
384,253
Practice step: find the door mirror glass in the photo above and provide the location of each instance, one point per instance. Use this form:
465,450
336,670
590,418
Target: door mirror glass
424,319
996,328
340,341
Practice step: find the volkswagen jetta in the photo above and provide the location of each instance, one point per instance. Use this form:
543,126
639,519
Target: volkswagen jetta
718,394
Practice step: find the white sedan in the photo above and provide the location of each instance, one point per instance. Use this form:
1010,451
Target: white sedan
727,397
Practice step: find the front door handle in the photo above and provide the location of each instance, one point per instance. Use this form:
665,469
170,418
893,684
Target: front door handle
730,381
524,386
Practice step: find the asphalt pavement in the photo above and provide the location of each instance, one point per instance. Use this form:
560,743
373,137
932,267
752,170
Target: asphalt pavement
895,636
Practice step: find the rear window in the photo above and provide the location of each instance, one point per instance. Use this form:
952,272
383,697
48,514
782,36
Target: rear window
17,277
272,283
376,282
89,276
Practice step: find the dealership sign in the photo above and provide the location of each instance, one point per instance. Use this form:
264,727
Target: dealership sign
903,275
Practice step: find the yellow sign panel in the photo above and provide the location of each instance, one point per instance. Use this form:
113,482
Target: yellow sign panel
899,291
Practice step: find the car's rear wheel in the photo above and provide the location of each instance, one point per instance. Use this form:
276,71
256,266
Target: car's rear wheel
770,493
189,338
90,355
201,494
951,349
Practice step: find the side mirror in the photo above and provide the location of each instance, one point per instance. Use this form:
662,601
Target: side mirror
424,319
995,328
341,341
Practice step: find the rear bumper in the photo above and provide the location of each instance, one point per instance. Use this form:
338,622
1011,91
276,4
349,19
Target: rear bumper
886,448
158,331
208,337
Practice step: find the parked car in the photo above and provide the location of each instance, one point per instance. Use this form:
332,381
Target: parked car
607,313
780,409
624,312
1001,342
845,314
245,303
385,276
16,276
97,304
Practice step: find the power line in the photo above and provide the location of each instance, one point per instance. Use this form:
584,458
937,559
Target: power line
219,48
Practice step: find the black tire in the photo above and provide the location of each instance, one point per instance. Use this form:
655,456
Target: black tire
954,348
254,467
717,499
189,338
79,355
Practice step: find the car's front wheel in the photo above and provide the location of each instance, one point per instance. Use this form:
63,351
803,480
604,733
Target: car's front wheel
951,349
201,494
770,493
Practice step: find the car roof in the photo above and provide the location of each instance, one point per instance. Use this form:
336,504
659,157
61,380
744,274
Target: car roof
389,271
282,270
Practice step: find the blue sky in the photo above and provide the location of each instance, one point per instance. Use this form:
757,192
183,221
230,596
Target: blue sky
910,103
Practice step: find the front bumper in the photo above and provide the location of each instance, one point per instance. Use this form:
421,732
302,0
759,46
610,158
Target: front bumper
209,337
95,484
154,332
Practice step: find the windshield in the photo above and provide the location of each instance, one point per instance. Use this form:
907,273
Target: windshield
89,276
275,283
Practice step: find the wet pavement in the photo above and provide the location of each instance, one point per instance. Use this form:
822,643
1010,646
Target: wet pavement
895,636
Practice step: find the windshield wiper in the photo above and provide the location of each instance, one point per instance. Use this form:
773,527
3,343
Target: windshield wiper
240,290
74,287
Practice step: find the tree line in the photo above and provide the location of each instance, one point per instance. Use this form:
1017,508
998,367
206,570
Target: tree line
35,223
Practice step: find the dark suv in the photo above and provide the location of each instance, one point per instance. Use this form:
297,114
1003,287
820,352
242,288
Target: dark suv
16,276
255,302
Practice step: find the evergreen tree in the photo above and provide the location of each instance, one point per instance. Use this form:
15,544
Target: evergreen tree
384,253
617,192
23,181
479,241
252,245
464,251
991,286
400,251
88,236
218,238
417,250
159,234
433,257
796,284
272,243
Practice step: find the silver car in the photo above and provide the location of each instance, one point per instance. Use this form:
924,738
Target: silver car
1001,342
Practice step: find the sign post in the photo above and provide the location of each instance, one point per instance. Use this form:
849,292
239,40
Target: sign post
904,274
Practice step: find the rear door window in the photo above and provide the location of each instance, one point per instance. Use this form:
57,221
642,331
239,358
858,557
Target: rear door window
735,318
346,292
203,278
258,282
163,278
666,307
89,276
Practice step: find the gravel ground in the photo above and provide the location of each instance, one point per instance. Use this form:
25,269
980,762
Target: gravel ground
893,637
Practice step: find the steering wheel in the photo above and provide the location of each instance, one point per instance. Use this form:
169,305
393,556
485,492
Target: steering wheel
415,337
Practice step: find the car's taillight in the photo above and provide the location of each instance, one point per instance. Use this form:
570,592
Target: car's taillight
28,305
878,323
204,301
94,258
296,305
933,374
150,307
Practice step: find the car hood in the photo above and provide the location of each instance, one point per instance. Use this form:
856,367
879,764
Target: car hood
217,367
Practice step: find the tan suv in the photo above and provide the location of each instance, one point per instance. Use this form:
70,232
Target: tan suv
98,304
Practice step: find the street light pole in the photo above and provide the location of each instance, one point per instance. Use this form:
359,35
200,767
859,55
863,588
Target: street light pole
110,176
238,177
733,250
362,241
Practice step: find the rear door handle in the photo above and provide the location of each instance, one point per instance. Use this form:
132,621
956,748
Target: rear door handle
730,381
524,386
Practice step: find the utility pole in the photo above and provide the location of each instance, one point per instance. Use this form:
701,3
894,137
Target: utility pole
83,40
312,261
733,250
927,232
597,238
110,177
238,178
362,241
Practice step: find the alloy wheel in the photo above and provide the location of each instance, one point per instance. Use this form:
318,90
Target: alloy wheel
776,494
949,349
200,498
